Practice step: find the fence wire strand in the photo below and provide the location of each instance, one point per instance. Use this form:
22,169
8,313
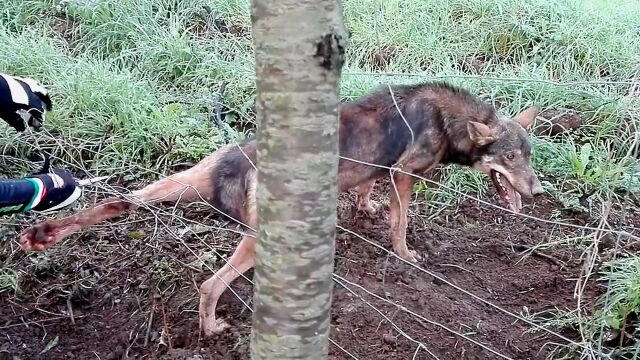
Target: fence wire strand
159,211
342,282
466,292
484,202
490,78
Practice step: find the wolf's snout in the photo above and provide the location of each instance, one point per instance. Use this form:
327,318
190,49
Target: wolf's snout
529,188
536,187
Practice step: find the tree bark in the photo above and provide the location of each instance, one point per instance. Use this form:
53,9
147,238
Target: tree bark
299,53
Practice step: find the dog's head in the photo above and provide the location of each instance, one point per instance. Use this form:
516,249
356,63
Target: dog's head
504,153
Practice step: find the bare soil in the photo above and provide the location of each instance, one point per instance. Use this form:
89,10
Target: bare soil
474,65
558,121
381,58
128,289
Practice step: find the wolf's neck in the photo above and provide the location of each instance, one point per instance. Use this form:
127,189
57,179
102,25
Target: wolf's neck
457,134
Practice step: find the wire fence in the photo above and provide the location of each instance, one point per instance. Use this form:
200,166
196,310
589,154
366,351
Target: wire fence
162,218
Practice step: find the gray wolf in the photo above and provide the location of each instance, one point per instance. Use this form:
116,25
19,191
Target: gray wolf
437,124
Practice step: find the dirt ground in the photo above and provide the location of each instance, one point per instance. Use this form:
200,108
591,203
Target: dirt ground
128,289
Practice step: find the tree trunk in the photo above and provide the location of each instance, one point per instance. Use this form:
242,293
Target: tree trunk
299,52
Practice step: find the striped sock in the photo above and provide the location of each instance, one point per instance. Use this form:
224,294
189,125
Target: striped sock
38,195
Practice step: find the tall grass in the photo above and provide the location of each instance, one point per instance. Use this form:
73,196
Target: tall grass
137,80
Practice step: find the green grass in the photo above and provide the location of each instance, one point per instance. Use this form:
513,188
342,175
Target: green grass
612,326
135,83
9,280
621,304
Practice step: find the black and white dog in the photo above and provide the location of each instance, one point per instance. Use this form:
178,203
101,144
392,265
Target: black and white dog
23,102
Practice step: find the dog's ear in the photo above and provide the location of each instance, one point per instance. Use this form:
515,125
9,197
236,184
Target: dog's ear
480,133
526,118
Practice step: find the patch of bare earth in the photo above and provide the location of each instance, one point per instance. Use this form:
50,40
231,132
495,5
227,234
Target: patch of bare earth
130,288
558,121
381,58
65,28
474,64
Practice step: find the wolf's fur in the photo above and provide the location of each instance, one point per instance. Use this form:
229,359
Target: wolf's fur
447,125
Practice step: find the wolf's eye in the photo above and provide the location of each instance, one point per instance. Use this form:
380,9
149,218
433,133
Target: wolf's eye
509,156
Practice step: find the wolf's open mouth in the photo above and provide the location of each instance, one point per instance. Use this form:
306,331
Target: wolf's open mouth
506,191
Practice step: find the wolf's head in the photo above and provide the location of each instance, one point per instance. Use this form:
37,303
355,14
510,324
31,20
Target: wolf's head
504,153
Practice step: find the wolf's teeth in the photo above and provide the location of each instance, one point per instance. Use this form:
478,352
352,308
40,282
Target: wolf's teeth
498,180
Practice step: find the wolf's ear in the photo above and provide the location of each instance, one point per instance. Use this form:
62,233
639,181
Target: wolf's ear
480,133
526,118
